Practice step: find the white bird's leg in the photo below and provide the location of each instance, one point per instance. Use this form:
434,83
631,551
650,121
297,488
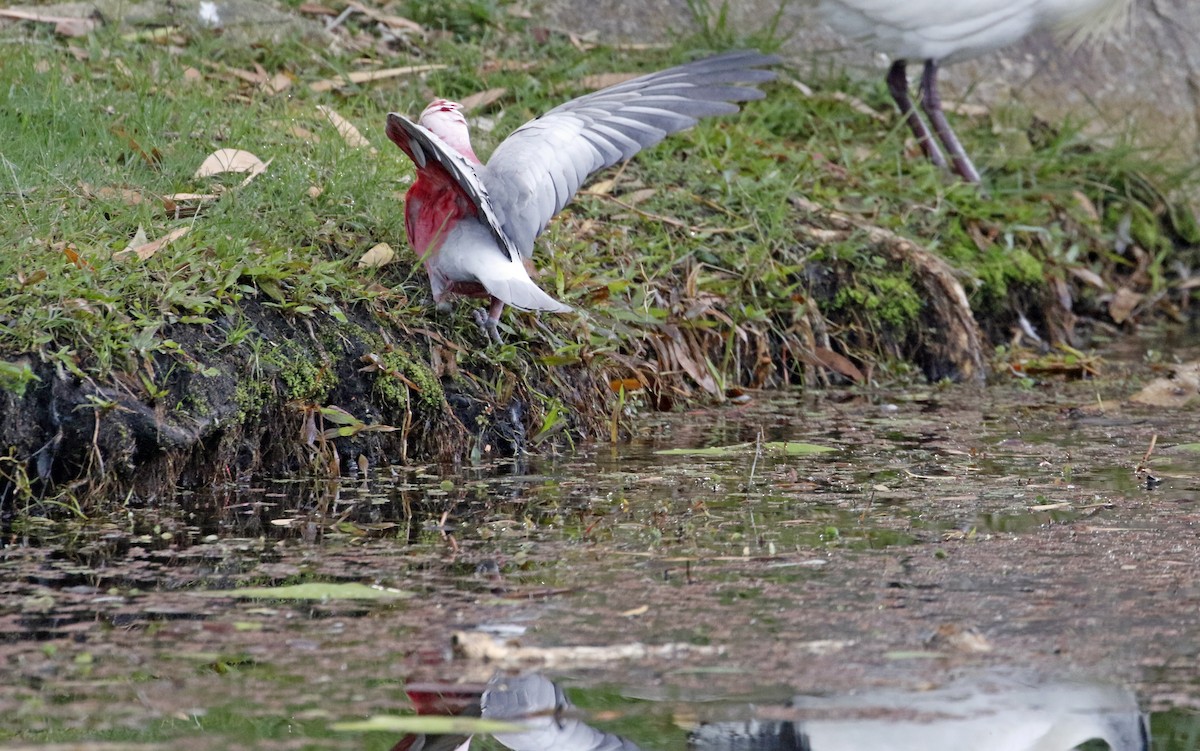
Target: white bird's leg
490,320
897,80
931,102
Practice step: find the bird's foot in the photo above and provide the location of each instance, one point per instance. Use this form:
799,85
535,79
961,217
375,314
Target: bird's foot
489,325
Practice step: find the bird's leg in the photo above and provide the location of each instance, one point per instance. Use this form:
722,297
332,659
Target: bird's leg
897,80
490,320
931,102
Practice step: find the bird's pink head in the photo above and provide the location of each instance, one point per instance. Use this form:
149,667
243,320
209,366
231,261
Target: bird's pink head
445,119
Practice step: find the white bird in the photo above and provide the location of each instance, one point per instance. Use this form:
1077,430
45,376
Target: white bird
474,225
942,31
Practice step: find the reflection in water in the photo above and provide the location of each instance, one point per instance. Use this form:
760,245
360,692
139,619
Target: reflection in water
990,715
994,714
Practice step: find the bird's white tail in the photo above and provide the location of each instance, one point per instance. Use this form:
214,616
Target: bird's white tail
524,294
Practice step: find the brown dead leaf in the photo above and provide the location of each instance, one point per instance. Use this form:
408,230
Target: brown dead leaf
1180,389
144,250
482,99
380,254
1087,276
838,363
601,187
304,134
72,253
67,26
698,372
617,385
1123,303
183,205
366,76
345,128
232,160
396,23
637,196
278,83
124,195
152,158
1088,207
192,75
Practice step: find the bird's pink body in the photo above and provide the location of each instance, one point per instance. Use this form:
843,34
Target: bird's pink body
474,224
434,203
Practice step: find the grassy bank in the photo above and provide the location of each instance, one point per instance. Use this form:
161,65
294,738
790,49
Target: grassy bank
255,340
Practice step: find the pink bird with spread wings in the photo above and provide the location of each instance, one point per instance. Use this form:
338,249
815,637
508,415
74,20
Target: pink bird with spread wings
474,224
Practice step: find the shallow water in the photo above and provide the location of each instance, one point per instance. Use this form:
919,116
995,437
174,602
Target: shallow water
953,533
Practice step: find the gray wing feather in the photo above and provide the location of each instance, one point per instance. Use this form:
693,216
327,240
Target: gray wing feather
422,145
538,168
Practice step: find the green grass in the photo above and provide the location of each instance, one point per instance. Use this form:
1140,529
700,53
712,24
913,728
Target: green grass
93,122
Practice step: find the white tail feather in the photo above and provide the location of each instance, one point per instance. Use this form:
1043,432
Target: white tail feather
524,294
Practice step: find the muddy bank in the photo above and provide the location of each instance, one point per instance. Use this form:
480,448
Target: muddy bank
317,396
794,244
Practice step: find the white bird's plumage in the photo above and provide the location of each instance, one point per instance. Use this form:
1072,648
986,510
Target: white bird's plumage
938,31
497,210
537,169
949,30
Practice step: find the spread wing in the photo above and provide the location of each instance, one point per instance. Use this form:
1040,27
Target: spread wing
429,152
536,170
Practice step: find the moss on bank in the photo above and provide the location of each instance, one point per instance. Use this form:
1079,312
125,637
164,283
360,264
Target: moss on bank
792,244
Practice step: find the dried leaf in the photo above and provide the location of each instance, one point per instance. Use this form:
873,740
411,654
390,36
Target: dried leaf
73,256
232,160
379,255
304,134
139,239
124,195
278,83
601,187
1087,276
66,26
399,23
838,364
1178,391
182,205
345,128
152,158
637,196
1123,303
698,372
145,250
617,385
366,76
1086,204
482,99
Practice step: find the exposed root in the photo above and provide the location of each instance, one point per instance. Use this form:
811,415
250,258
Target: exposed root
955,351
